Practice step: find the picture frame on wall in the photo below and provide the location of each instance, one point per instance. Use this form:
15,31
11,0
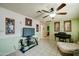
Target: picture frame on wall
28,22
67,26
9,26
37,28
56,26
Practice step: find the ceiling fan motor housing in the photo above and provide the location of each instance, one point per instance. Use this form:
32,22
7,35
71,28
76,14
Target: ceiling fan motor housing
51,9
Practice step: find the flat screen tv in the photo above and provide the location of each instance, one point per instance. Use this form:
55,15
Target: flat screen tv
28,32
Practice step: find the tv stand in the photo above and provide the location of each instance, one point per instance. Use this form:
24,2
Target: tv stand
30,43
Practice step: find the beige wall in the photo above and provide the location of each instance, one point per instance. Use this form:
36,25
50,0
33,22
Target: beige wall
74,32
10,43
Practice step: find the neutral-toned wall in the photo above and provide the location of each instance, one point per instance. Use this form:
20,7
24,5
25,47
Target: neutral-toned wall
74,32
43,29
75,29
78,29
9,43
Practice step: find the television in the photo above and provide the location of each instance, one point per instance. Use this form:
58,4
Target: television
28,32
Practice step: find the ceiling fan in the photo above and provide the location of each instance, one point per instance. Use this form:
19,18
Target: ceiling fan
52,13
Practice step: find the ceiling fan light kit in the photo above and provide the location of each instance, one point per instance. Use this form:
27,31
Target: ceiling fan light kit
52,13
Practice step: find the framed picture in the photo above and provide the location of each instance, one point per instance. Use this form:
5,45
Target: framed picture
67,26
28,22
9,26
37,28
56,26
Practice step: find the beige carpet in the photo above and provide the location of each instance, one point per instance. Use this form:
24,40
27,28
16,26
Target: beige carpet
44,48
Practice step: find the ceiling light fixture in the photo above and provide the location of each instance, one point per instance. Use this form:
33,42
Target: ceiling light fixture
52,15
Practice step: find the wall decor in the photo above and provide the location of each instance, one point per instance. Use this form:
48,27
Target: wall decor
28,22
56,26
67,26
37,28
9,26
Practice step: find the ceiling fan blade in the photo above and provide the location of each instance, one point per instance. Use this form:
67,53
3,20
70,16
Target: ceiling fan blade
61,6
45,11
62,13
45,16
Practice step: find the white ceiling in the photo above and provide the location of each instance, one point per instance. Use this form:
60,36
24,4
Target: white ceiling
30,9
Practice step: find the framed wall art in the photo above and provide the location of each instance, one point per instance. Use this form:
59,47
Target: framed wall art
28,22
67,26
9,26
37,28
56,26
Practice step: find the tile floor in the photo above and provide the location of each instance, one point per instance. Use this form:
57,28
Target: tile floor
44,48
